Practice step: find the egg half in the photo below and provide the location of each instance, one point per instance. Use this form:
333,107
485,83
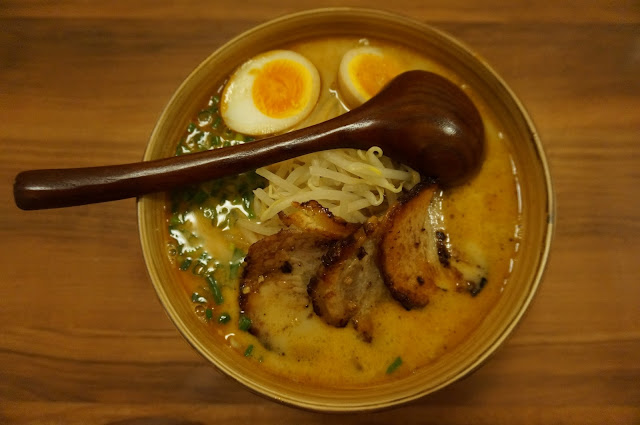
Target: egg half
270,93
364,71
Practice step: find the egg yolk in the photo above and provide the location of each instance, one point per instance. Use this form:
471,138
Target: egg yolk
281,88
370,72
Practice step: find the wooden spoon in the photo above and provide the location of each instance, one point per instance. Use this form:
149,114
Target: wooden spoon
420,119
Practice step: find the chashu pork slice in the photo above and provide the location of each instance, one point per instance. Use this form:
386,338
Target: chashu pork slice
413,256
348,283
402,253
313,217
273,291
273,288
406,255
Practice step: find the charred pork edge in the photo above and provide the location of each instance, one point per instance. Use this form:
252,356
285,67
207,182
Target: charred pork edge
399,296
339,251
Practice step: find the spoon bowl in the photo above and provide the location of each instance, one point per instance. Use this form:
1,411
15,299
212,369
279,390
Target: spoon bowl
420,119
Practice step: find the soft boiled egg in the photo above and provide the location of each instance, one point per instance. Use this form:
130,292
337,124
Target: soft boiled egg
270,93
364,71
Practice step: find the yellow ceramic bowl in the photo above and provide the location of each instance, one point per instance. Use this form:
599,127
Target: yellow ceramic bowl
536,198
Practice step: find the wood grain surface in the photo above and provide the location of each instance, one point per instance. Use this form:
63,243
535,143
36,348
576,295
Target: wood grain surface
83,338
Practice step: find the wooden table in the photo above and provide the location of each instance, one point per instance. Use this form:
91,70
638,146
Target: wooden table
83,338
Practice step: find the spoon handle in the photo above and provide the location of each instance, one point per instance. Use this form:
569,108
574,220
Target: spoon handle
54,188
419,118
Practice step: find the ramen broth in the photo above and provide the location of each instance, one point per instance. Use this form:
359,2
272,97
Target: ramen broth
481,218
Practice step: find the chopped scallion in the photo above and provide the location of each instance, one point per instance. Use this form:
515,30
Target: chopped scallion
200,197
188,193
395,365
244,323
204,117
237,256
176,219
215,289
247,201
224,318
186,264
233,270
197,298
203,141
248,351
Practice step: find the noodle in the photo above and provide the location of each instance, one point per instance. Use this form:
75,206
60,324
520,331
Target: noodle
352,184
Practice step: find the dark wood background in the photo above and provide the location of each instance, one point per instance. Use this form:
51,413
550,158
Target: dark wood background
83,338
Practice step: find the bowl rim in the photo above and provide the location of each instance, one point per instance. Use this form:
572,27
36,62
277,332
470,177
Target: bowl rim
507,329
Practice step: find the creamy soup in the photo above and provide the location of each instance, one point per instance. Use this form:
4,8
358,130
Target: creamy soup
481,219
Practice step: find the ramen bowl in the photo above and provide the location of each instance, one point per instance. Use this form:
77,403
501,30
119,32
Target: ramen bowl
533,199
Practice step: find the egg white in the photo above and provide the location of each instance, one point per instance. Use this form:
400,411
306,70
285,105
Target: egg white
350,85
239,108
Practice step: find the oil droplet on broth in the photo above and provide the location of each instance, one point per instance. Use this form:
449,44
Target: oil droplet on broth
204,118
199,269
